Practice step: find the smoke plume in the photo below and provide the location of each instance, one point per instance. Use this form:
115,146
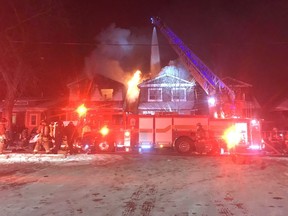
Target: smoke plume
119,53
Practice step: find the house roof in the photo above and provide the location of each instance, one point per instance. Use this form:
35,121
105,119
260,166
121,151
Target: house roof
278,101
167,80
282,105
99,80
235,83
39,104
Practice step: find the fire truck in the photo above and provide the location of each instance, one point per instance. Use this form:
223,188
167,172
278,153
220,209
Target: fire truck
121,131
180,132
225,131
105,130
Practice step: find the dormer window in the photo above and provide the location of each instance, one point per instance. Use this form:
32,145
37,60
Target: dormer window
107,94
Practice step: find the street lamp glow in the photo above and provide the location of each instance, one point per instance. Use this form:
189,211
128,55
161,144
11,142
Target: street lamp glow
81,110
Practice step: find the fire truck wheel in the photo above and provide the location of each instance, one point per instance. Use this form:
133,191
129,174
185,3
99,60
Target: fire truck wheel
184,145
104,147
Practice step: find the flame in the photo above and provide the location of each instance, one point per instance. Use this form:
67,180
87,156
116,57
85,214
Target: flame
232,136
133,91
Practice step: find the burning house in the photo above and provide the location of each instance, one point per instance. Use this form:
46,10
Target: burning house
171,91
98,93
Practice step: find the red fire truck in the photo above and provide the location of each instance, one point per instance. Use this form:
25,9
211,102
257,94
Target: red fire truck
224,130
180,133
119,131
107,131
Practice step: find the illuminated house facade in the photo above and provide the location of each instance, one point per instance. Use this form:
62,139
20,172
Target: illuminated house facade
245,102
170,93
167,93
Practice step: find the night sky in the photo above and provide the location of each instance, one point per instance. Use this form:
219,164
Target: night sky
245,39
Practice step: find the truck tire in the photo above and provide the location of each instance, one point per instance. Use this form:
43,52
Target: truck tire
104,147
184,145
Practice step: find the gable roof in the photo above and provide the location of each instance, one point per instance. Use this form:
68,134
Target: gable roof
282,105
235,83
99,80
167,80
277,101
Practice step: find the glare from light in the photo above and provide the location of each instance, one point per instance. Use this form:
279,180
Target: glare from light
81,110
254,122
104,130
211,101
232,137
127,133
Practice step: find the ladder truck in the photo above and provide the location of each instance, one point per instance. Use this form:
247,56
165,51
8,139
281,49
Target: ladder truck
214,87
225,134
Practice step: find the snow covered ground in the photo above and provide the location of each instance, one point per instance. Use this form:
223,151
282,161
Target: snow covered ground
141,184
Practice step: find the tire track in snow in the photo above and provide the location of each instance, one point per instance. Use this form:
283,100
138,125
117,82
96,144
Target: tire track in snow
141,202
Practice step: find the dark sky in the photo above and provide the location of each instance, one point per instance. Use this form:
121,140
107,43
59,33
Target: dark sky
245,39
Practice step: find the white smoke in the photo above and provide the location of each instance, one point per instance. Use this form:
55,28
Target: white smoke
177,69
119,54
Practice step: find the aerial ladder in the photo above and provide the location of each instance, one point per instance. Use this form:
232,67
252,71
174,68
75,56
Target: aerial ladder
214,87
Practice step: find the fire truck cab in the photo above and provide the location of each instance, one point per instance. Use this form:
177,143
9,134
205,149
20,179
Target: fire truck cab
108,130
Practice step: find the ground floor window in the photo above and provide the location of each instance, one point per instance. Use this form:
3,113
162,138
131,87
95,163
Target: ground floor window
33,120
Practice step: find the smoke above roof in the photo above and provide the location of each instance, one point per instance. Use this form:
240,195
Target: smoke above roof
119,53
177,69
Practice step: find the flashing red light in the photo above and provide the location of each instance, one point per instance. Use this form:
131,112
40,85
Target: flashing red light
127,133
104,130
81,110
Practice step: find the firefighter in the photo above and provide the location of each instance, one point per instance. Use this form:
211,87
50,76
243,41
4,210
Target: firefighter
44,137
71,133
200,132
2,136
286,142
276,140
200,137
58,132
23,141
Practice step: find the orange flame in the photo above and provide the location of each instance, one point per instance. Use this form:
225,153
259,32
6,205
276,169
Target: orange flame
133,91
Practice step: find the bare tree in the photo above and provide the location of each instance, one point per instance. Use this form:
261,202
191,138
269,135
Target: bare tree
15,65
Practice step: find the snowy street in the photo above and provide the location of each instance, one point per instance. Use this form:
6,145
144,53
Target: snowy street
142,184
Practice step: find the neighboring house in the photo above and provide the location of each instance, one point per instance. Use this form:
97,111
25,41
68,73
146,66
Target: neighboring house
98,93
245,102
28,112
276,110
166,93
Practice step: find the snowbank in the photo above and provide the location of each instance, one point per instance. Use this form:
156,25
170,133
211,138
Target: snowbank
22,158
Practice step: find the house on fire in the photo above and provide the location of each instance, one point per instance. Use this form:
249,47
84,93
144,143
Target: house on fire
171,92
97,93
168,93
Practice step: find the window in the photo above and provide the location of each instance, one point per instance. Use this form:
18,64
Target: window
178,94
33,120
14,118
155,94
107,94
